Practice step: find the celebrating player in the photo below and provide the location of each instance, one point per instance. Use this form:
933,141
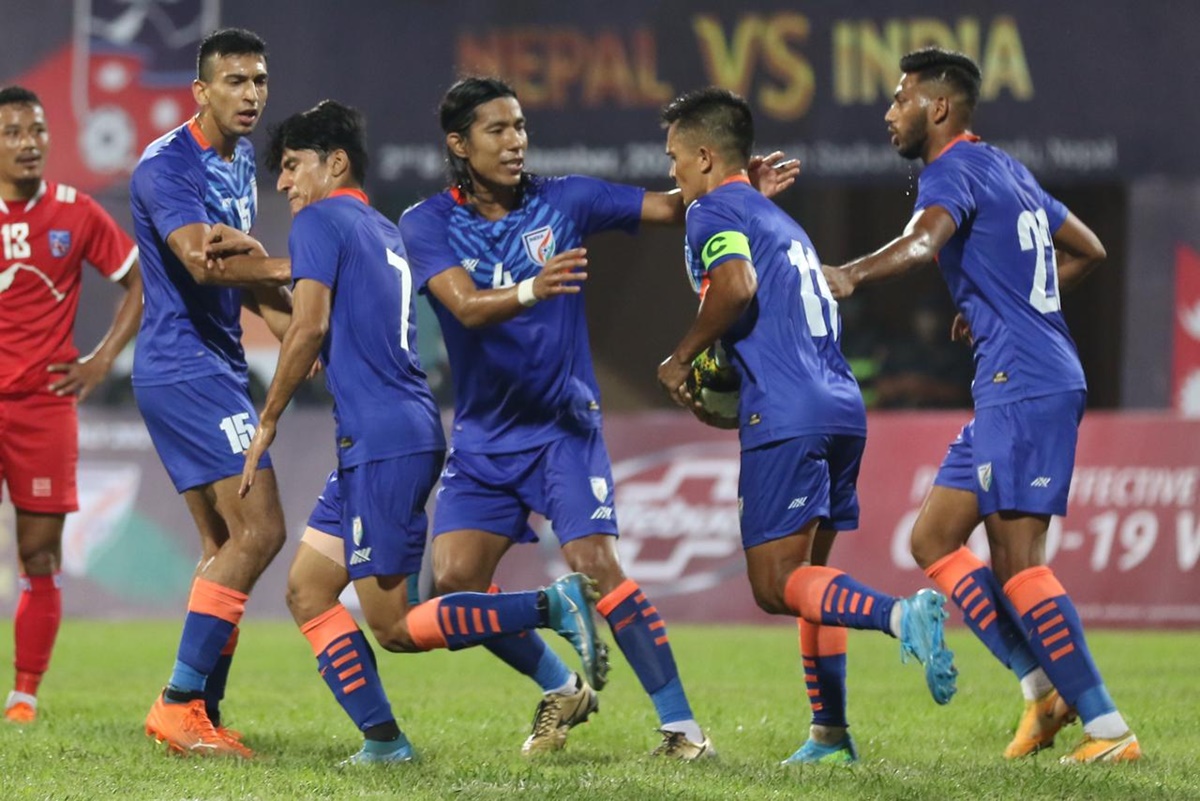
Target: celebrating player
353,305
48,231
802,422
526,431
1007,249
190,377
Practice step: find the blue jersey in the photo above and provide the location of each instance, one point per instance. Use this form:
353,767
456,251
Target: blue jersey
795,381
188,330
1001,271
527,381
382,403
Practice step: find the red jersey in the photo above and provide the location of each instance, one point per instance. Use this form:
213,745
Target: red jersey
43,243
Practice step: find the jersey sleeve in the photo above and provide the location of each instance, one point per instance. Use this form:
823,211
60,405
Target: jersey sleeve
172,198
314,245
597,205
426,242
944,183
106,247
1056,211
716,233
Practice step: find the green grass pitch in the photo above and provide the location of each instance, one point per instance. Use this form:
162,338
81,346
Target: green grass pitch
467,716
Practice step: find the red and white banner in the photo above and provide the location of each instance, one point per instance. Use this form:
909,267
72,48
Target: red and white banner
1186,372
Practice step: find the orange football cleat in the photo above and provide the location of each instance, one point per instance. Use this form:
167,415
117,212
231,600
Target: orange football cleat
21,713
1091,749
186,729
1040,722
234,738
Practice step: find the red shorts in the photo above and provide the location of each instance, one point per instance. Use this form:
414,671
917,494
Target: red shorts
39,451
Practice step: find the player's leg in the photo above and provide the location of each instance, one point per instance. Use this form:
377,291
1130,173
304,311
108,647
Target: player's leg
573,486
478,518
785,491
39,609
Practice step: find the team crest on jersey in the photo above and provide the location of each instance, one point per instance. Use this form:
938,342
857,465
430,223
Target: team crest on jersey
599,488
985,476
60,243
539,244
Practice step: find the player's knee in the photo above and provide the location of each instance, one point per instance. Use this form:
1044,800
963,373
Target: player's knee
459,578
39,561
770,600
393,636
927,546
306,602
601,566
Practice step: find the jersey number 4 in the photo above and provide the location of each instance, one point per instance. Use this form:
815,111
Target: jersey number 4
1033,231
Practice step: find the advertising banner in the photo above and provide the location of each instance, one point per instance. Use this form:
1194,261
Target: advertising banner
1186,372
1127,550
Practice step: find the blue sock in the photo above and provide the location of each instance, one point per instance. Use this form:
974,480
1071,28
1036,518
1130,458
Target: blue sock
471,618
641,635
823,654
214,687
1055,635
830,597
200,646
528,654
348,667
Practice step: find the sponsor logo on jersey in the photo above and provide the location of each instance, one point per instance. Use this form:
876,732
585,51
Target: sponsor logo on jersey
985,476
60,243
539,244
470,264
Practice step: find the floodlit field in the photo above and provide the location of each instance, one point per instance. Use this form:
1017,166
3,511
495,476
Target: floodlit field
467,716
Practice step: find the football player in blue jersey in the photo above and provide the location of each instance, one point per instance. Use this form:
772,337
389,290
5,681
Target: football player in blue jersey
190,376
353,306
1007,250
801,419
526,433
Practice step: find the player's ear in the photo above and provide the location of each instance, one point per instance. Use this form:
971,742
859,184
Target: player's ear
200,92
939,109
339,163
456,143
704,159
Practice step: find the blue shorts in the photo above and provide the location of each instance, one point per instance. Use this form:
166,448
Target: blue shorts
383,522
786,485
200,428
326,515
1018,457
568,480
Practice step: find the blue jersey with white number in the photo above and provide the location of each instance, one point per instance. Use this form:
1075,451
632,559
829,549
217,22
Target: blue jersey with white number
527,381
381,400
188,330
785,346
1001,271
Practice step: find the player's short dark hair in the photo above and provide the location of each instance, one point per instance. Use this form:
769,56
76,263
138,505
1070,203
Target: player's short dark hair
457,113
227,42
324,128
722,118
947,66
18,95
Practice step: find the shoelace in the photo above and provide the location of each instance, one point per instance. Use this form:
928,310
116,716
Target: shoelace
545,716
672,741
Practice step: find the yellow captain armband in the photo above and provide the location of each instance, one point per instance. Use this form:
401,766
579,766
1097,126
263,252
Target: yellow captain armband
724,244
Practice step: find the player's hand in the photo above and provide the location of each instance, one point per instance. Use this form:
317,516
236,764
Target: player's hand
224,242
315,370
264,435
960,330
81,376
562,274
771,174
672,377
839,281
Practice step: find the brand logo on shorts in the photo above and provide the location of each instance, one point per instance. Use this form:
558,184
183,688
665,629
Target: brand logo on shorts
603,513
798,503
985,476
1041,482
539,244
360,555
41,487
599,488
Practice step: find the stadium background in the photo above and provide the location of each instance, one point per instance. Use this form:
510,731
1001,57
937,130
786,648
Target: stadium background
1093,99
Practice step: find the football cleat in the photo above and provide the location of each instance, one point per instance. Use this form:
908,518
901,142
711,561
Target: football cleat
922,634
233,738
186,729
814,753
1040,722
571,602
379,753
20,708
1091,749
676,745
557,714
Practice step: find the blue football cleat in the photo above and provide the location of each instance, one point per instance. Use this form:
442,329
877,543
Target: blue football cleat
922,634
814,753
571,601
374,752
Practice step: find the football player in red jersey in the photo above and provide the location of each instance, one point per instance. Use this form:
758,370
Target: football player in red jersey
47,231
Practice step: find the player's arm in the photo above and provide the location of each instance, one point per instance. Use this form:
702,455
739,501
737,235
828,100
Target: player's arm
474,307
769,174
81,376
924,236
190,244
311,304
731,288
1077,250
273,304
